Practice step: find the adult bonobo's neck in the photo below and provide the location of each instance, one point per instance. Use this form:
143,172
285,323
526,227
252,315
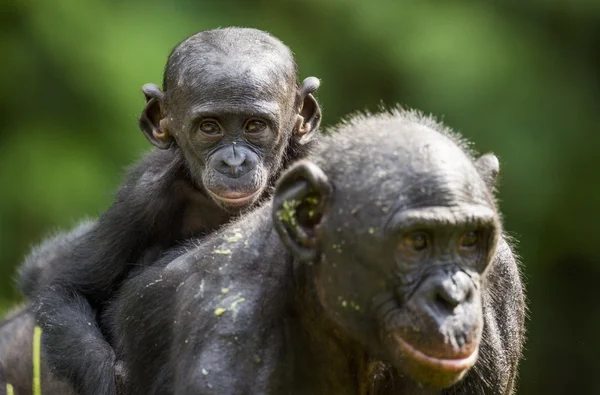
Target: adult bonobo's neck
325,359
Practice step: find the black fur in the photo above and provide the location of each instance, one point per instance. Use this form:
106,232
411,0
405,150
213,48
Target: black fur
196,182
43,261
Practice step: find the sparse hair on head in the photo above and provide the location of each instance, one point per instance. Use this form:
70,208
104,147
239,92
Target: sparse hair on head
399,115
234,44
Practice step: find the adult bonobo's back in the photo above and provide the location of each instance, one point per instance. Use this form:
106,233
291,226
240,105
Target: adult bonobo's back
376,269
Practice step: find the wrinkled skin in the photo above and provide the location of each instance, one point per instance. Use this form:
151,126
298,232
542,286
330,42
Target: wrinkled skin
385,277
232,115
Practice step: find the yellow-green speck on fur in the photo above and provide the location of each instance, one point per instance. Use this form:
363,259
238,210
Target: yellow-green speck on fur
288,213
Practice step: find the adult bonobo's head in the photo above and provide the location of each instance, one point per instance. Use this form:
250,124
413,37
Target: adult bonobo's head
233,106
400,229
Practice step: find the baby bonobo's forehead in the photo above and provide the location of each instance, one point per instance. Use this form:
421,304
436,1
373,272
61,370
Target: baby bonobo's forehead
232,81
232,77
235,63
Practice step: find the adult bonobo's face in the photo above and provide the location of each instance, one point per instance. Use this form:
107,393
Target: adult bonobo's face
233,114
400,233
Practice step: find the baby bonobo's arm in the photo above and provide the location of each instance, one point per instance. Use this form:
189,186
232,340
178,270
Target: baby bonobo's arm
44,260
143,216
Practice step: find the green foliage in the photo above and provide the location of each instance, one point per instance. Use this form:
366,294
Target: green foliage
37,361
518,78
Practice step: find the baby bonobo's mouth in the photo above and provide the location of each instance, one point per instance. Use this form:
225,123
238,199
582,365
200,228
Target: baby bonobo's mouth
235,198
456,361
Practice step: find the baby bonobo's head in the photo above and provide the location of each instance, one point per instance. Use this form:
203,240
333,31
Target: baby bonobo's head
400,226
232,106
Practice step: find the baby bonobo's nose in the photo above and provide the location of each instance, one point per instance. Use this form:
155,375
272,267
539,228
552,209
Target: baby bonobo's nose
235,163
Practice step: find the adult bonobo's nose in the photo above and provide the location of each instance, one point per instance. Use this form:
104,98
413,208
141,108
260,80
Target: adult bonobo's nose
446,293
449,312
235,162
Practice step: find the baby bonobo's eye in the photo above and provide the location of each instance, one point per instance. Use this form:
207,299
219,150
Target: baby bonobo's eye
255,126
413,243
468,241
210,128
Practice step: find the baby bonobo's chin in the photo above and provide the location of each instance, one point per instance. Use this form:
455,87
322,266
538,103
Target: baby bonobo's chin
235,201
234,195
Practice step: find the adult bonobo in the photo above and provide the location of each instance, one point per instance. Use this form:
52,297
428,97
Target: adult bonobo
231,116
378,268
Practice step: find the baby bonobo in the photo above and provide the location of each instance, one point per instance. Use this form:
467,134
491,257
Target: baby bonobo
379,268
230,117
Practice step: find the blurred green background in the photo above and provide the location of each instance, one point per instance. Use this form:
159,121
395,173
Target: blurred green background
519,78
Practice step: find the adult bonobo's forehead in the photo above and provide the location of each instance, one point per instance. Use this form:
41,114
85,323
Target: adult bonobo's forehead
232,65
402,160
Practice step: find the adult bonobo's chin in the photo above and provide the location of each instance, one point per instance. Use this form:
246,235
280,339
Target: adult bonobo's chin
400,246
231,112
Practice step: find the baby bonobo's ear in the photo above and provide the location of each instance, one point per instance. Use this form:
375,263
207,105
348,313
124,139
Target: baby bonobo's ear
309,113
488,167
151,121
301,198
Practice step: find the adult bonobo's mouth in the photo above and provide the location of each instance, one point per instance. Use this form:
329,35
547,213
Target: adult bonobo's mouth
441,370
236,199
435,336
458,363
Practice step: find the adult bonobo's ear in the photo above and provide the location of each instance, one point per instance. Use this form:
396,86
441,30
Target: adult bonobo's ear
301,197
488,167
151,121
309,111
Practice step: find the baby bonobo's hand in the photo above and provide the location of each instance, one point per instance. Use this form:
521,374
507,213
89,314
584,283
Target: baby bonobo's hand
120,377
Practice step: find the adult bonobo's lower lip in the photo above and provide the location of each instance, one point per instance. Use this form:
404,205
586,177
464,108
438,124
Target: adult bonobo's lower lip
235,198
437,371
461,362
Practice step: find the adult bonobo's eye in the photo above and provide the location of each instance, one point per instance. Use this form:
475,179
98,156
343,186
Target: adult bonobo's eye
414,243
255,126
210,128
468,241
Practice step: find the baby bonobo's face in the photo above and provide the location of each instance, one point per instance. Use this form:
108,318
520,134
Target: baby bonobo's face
233,127
233,121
